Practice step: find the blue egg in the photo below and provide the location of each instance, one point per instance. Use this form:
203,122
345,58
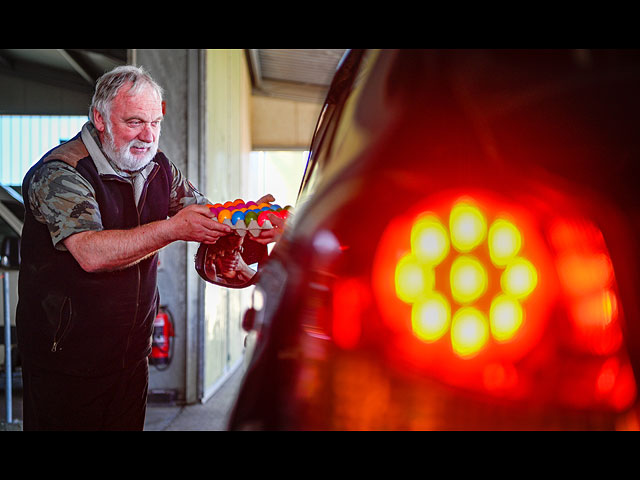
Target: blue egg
275,207
263,209
237,215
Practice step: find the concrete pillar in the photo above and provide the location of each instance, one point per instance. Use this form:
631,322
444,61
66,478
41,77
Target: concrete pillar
181,75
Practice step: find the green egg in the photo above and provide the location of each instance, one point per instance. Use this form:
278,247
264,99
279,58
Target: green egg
250,215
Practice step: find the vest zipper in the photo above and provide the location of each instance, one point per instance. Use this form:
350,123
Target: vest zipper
143,197
57,339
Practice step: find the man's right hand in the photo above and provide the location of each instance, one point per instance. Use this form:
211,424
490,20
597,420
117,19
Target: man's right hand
196,223
107,250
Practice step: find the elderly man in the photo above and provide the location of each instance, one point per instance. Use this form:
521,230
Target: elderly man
98,208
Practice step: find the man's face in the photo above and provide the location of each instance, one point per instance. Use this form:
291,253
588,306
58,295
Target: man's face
131,138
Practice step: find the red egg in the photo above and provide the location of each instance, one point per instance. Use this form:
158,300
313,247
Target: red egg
283,214
263,217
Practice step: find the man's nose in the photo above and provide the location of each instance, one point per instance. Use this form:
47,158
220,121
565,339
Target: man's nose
147,133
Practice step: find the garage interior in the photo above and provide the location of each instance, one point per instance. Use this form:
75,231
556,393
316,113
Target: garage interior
228,112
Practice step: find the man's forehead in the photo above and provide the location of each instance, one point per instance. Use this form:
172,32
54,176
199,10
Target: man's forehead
143,100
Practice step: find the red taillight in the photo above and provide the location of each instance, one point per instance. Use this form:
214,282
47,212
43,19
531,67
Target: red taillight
350,298
506,297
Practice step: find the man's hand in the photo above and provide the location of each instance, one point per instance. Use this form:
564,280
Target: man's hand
196,223
233,265
272,234
107,250
268,198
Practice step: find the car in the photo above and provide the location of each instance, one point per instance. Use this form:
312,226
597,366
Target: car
463,251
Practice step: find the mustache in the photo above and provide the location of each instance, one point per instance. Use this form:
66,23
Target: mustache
140,144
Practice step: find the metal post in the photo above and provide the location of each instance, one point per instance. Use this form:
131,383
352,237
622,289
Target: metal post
7,347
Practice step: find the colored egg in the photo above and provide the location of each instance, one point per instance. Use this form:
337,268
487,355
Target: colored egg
250,215
236,216
225,213
253,207
227,204
263,217
262,205
238,201
282,214
266,209
276,207
250,202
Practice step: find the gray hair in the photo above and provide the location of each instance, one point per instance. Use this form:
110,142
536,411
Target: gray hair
109,84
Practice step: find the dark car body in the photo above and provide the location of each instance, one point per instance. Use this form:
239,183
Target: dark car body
545,139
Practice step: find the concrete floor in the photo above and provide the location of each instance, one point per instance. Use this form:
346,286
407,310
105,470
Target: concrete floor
209,416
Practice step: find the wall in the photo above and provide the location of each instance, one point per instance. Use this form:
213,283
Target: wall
282,124
212,124
179,72
228,146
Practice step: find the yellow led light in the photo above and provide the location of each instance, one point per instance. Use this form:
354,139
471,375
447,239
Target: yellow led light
505,317
429,240
469,331
468,227
412,279
478,321
519,278
468,279
430,317
504,241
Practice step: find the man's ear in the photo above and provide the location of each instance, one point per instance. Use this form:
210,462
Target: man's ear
98,121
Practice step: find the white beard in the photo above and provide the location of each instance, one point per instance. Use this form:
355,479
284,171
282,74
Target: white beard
124,159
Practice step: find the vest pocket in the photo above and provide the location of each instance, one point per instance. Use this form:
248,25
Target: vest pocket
63,325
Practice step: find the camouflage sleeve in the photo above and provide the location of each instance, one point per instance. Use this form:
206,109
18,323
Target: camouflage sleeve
183,193
65,201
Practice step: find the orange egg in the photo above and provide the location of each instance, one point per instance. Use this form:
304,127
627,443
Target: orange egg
224,214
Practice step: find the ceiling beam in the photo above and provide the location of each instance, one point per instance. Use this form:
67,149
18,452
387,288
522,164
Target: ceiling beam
115,55
79,65
254,67
40,74
5,60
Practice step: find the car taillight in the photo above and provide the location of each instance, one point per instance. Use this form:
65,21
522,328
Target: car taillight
509,298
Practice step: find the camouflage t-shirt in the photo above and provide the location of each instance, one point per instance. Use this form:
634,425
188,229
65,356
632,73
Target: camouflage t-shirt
65,201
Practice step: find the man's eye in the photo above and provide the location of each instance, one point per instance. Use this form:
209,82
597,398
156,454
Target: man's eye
134,123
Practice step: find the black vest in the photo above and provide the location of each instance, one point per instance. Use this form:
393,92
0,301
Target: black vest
81,323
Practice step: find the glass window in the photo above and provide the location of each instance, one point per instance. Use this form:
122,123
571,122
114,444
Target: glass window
24,139
337,136
278,173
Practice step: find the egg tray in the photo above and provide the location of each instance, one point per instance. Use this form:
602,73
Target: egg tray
255,226
241,228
